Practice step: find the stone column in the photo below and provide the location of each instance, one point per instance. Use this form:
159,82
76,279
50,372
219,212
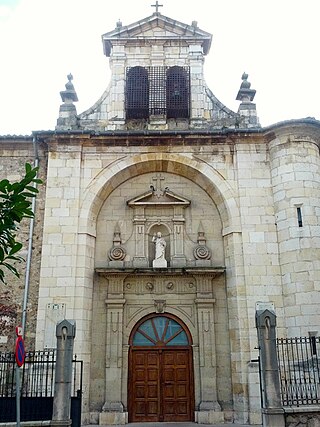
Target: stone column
113,410
209,408
272,411
139,259
238,323
65,332
177,255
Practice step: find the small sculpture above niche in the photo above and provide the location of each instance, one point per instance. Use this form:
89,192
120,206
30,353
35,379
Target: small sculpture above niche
161,249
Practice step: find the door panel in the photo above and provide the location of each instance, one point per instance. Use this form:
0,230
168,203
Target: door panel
145,386
176,390
161,388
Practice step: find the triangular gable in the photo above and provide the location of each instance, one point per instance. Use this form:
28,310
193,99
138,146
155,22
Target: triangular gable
167,198
164,28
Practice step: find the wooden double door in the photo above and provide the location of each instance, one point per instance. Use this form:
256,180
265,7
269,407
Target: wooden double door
161,383
161,386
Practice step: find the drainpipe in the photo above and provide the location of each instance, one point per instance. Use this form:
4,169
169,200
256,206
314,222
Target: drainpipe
29,253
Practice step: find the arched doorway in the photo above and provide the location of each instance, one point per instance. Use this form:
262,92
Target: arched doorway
160,384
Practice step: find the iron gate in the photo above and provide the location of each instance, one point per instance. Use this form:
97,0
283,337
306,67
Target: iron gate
37,387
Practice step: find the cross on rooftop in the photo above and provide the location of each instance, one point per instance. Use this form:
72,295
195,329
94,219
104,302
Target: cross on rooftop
157,5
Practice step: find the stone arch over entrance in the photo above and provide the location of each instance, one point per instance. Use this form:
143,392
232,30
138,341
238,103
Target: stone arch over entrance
205,176
160,380
225,200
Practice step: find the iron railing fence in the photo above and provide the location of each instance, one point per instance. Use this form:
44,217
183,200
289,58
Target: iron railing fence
37,374
299,369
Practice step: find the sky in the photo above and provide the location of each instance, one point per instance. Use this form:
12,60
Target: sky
41,41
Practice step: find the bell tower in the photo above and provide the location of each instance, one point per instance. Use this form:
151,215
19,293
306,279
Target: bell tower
157,68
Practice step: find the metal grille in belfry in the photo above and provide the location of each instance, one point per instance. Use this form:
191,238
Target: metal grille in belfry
157,79
137,93
157,91
177,93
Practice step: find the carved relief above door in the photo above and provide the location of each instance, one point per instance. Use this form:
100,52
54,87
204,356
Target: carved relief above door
159,210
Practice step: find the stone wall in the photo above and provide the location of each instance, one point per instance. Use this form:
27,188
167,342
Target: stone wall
295,170
14,153
230,185
309,417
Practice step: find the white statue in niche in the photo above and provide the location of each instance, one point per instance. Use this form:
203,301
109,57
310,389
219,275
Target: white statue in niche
160,249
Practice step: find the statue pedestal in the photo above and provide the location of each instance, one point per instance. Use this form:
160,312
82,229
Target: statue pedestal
159,263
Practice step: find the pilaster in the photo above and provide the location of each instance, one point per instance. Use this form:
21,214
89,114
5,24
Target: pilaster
207,352
113,410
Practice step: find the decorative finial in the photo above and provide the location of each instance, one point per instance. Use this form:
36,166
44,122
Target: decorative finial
67,112
245,94
245,84
119,24
69,95
157,5
117,230
69,86
117,252
201,251
247,109
200,229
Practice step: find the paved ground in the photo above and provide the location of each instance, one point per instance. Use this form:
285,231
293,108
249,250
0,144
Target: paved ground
174,425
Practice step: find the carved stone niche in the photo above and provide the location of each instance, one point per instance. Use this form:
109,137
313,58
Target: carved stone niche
161,211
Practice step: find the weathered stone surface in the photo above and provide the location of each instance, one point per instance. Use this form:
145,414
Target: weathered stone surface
240,219
303,419
14,153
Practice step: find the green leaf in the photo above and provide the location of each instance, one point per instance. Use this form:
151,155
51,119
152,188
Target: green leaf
11,268
26,194
32,189
15,205
3,185
28,167
14,258
16,247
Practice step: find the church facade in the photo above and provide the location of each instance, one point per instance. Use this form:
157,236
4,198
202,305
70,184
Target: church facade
164,219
